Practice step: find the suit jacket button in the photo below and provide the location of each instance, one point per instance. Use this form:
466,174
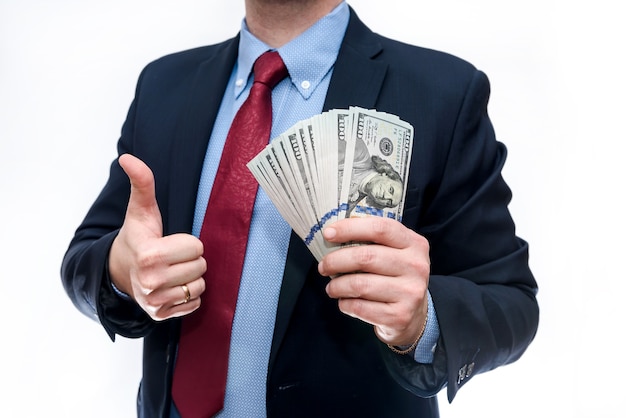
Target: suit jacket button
470,370
462,373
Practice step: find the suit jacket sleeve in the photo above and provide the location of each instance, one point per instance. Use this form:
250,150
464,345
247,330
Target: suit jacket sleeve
84,270
482,288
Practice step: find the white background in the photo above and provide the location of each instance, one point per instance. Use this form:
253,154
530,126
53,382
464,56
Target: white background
67,75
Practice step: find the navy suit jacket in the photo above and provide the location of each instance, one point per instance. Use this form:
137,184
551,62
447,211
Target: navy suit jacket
323,363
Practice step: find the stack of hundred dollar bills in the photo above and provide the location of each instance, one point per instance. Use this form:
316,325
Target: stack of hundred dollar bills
338,164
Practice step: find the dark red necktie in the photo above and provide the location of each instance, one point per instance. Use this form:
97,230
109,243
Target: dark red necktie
200,375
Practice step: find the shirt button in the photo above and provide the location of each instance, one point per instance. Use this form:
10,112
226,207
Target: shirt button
239,83
305,84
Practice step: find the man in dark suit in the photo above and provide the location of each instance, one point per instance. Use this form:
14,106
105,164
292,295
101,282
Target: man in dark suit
353,345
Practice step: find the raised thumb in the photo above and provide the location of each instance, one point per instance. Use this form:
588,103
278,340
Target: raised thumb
142,203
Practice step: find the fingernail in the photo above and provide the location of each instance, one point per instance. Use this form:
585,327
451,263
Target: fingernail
330,233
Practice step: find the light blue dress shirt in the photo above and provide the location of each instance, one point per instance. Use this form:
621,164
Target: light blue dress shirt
309,59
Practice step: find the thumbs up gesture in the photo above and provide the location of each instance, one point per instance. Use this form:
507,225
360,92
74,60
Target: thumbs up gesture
162,274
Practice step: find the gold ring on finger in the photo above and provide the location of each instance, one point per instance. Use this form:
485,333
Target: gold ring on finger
187,293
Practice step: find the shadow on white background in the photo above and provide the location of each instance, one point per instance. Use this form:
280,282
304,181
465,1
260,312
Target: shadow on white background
67,74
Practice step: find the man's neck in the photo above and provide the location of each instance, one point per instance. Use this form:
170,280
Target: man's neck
277,22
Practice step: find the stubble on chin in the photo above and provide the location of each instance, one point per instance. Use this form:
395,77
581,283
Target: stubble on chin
286,2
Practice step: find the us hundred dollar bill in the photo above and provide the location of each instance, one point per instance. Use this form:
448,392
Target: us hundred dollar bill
375,172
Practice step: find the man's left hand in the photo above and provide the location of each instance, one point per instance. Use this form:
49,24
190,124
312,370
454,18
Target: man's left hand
383,283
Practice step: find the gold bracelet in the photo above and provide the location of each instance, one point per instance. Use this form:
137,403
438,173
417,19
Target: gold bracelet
412,346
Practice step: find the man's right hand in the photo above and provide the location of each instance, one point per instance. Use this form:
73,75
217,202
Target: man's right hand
147,266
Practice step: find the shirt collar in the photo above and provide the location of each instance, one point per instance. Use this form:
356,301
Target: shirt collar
308,57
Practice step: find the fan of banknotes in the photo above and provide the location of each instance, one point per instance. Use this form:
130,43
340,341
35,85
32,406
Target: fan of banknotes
341,163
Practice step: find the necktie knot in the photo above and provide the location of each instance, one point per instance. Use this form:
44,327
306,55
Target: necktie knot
269,69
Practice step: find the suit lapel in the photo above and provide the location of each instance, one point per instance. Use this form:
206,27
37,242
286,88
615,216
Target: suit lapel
347,88
193,134
356,88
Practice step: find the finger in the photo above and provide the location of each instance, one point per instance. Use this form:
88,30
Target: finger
377,259
395,317
392,324
154,276
187,292
368,229
174,311
173,301
370,258
142,202
372,312
180,248
370,287
190,298
183,273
